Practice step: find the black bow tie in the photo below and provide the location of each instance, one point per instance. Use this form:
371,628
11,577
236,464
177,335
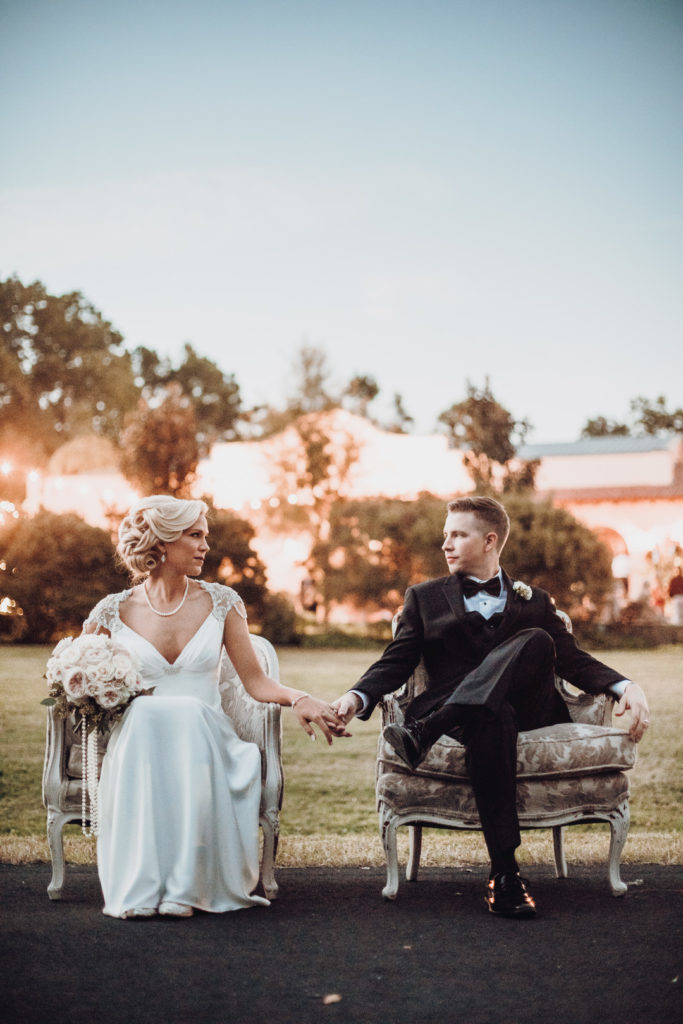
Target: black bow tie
471,587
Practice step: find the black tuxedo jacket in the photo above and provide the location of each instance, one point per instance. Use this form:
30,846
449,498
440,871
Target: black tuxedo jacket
434,626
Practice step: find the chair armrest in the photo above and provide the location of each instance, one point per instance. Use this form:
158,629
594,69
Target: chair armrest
254,720
588,708
54,764
257,722
391,710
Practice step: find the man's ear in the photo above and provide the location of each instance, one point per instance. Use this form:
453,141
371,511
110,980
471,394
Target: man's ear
490,541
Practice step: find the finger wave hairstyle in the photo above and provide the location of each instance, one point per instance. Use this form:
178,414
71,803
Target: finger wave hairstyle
150,523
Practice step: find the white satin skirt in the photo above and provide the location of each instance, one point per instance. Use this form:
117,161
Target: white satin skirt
179,805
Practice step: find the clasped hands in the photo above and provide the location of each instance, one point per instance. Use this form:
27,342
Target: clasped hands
332,719
311,711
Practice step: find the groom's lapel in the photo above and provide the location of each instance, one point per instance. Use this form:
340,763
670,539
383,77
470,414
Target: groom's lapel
513,605
453,590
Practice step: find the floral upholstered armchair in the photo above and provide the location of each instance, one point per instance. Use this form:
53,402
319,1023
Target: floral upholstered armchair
566,773
254,722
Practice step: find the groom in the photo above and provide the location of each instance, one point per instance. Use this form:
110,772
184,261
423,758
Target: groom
491,649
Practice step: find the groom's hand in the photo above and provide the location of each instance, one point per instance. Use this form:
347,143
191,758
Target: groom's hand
635,701
347,705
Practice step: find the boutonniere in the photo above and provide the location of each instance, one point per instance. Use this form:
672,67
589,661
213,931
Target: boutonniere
522,589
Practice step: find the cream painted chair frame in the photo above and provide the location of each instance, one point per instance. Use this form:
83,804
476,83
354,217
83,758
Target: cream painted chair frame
254,722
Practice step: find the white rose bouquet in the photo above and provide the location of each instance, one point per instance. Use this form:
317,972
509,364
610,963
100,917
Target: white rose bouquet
96,679
93,677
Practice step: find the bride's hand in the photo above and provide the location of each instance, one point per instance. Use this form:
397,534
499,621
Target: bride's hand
311,711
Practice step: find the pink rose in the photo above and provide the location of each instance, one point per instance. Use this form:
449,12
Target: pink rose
75,684
109,698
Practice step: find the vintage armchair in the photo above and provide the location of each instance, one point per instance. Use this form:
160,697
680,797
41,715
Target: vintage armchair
254,721
566,774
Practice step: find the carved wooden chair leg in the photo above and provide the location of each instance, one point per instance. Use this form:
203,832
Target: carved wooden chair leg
619,821
414,852
271,833
558,848
388,826
55,839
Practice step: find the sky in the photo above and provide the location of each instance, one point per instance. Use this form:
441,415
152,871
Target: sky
431,192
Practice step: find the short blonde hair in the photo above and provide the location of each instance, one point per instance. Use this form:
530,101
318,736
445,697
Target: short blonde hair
151,522
488,511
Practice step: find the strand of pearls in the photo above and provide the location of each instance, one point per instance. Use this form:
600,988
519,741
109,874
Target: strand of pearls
165,614
89,782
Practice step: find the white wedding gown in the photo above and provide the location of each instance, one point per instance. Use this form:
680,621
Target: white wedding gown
179,792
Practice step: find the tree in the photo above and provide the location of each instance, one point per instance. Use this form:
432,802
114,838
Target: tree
159,448
549,548
231,559
63,368
311,383
310,474
376,548
489,436
56,568
403,421
361,390
649,418
602,427
309,392
215,395
653,418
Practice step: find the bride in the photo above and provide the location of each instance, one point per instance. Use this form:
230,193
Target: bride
179,792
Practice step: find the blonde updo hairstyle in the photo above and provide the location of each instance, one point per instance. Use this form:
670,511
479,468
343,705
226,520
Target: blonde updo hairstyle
150,523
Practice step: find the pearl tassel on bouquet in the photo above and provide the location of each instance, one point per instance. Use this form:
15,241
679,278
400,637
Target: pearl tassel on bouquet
90,784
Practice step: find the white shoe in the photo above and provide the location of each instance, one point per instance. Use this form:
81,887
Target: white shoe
140,912
170,909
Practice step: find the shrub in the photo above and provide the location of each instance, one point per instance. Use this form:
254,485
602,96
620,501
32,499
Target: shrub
56,568
278,622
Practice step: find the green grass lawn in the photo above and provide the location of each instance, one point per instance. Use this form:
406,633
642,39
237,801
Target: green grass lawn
330,791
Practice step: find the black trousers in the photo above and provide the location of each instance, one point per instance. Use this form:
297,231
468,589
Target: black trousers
511,690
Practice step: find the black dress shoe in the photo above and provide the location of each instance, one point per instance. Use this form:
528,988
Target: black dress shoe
408,742
508,896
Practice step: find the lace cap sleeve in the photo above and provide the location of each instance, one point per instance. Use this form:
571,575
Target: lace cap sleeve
225,598
105,614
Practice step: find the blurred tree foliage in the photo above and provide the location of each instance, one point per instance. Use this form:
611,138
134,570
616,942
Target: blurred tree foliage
63,370
233,561
310,475
377,548
64,373
551,549
490,437
309,391
649,418
402,422
159,448
56,568
360,392
215,395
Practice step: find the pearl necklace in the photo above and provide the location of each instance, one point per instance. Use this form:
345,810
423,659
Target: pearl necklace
166,614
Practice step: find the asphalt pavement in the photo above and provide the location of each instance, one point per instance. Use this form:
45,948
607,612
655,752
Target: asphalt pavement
330,949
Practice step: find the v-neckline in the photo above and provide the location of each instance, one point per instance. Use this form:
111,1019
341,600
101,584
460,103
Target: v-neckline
150,644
